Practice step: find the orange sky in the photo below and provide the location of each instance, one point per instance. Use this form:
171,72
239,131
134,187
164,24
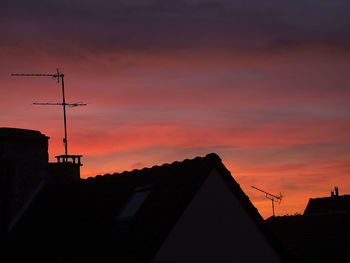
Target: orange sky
267,92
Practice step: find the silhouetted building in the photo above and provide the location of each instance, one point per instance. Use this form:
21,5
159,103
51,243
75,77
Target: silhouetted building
25,171
329,205
190,211
321,235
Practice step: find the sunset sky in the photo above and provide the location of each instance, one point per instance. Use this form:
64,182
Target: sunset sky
264,84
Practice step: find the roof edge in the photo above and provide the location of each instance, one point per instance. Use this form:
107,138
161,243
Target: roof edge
211,156
19,132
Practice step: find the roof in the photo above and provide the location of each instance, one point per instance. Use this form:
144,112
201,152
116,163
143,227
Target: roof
327,205
16,132
86,213
314,238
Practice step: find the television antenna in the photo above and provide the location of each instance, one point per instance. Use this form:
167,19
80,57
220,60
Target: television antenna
274,198
58,75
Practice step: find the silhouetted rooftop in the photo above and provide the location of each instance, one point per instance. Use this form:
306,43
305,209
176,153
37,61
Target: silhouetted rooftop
125,215
328,205
14,132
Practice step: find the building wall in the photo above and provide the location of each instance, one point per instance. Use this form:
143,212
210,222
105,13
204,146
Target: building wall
23,169
215,228
6,175
64,172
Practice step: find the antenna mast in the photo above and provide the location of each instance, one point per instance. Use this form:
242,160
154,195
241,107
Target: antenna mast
57,75
272,197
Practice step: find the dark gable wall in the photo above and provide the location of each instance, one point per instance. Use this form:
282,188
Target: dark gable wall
23,170
215,228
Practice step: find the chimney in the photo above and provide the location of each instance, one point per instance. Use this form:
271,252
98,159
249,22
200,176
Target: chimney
66,169
336,191
332,194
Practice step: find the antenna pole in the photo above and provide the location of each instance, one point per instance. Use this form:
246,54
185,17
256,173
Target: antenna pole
65,141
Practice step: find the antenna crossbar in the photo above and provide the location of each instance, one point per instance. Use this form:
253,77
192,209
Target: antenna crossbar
60,103
275,197
34,75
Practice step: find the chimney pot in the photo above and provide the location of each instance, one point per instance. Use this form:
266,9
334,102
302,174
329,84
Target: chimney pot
336,191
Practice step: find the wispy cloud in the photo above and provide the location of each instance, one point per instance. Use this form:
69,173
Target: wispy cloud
265,84
106,26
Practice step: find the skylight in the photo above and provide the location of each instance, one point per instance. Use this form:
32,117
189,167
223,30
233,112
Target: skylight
134,203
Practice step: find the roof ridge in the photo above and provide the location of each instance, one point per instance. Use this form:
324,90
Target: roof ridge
211,156
329,197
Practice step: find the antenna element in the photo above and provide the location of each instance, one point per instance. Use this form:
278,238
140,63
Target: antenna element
272,197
